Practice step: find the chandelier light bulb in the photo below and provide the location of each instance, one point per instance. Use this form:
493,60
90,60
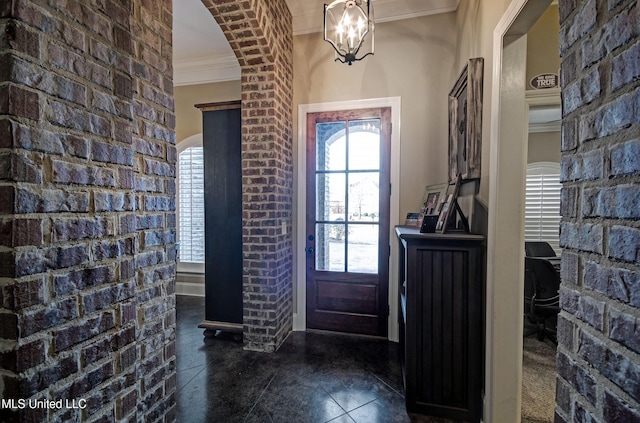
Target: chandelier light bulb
353,20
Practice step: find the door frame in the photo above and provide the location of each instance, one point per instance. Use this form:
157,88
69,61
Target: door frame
505,238
299,255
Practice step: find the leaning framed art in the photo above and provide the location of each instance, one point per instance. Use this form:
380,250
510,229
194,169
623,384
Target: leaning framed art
465,122
449,206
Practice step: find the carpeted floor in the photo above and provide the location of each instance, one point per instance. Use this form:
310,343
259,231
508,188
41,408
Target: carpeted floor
538,380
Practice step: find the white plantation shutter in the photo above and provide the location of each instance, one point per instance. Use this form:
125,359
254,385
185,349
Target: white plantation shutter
191,208
542,203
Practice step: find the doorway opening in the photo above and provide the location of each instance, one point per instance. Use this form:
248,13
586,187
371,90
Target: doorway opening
346,222
505,240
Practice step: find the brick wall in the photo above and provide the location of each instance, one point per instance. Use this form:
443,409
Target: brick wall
260,33
87,209
598,330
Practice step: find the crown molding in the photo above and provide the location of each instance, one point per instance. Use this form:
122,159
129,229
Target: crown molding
203,71
392,10
308,20
545,127
550,97
544,97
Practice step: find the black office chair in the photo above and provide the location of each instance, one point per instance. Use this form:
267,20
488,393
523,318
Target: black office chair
538,249
541,298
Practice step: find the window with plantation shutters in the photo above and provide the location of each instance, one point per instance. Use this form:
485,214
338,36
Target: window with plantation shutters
191,206
542,203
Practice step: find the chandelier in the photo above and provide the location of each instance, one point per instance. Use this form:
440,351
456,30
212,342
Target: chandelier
348,27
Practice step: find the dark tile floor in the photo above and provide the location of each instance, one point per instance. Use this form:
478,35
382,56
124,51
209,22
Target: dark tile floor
311,378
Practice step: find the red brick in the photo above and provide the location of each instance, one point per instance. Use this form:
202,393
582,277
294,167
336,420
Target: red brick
72,173
38,261
23,294
71,282
55,314
103,152
128,358
19,102
148,148
97,300
127,404
122,131
30,355
43,378
24,357
127,269
113,249
8,326
72,229
106,346
128,313
87,381
78,332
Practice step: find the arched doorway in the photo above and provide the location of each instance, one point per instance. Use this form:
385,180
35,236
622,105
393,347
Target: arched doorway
260,34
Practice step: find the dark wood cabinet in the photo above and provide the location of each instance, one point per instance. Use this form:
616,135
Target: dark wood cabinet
222,139
441,315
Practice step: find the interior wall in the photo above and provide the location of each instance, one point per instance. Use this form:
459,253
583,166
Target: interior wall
543,55
188,117
476,21
544,147
413,60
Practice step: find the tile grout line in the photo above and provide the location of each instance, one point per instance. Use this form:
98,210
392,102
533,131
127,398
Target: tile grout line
334,400
386,384
191,380
260,396
191,368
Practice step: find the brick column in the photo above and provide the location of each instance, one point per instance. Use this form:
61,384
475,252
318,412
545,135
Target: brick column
260,33
599,342
87,219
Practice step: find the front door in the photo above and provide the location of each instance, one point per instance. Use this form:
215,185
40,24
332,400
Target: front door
347,220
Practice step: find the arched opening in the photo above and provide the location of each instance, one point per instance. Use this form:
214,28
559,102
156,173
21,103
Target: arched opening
260,35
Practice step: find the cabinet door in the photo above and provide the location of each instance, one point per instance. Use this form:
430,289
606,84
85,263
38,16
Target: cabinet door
446,339
223,215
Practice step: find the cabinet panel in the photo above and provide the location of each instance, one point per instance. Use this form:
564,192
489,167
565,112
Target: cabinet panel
223,217
442,323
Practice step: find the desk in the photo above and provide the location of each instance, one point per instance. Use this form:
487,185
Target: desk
555,262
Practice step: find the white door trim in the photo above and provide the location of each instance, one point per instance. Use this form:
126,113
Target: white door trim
300,311
505,241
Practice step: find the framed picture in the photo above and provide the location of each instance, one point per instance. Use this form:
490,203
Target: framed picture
412,219
432,198
449,205
465,122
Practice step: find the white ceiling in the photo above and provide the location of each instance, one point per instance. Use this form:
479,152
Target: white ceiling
201,54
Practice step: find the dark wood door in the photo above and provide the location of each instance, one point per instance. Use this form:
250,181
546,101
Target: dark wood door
347,220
